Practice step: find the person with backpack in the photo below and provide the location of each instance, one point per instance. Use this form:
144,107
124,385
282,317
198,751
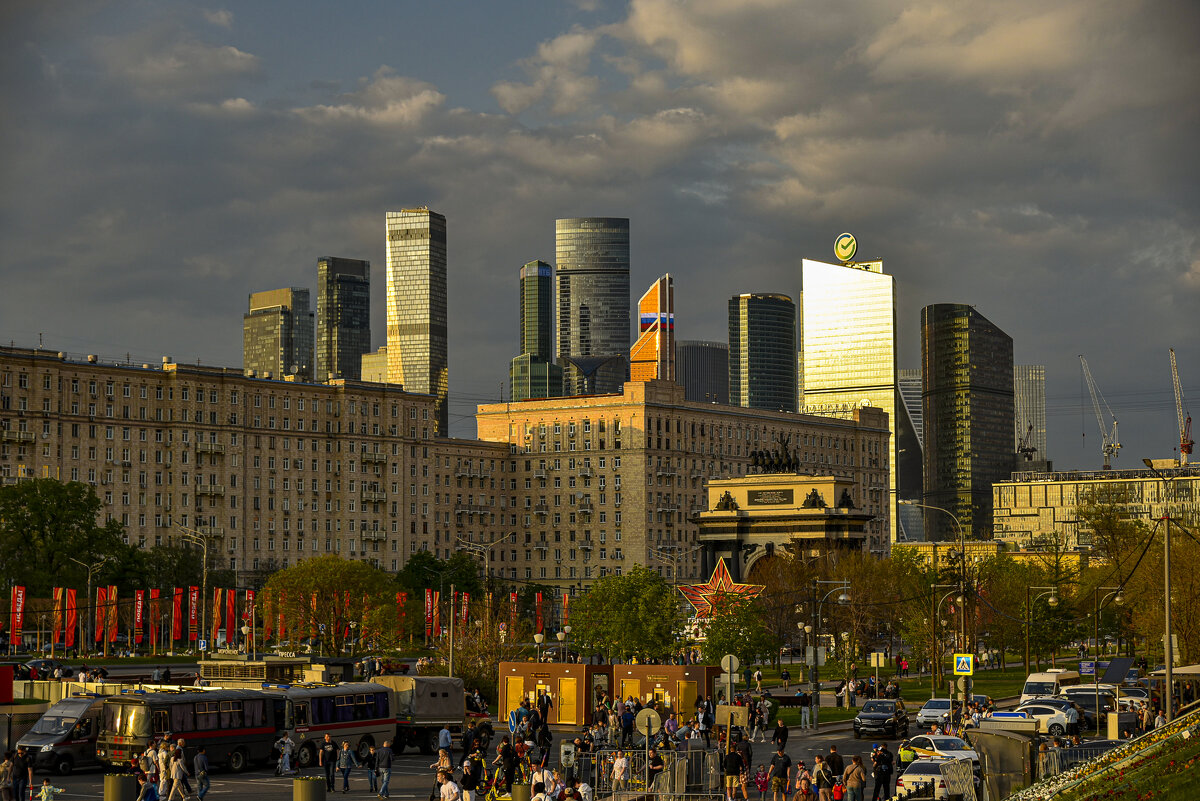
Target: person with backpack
822,779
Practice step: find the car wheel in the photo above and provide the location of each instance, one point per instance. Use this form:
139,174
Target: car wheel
1056,729
64,766
429,743
306,757
364,748
238,761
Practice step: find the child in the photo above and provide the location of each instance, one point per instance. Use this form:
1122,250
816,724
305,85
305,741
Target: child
761,781
48,793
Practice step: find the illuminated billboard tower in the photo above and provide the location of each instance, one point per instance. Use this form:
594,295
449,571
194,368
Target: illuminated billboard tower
653,355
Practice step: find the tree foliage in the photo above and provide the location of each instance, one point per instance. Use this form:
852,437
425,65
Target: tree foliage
635,614
333,592
739,627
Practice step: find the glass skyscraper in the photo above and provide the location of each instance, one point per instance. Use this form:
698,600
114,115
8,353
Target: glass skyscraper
277,334
762,352
703,370
343,317
533,374
652,357
416,307
592,296
848,359
967,399
1029,409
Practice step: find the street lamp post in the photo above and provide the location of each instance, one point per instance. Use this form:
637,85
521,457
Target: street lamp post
538,639
199,538
1029,599
567,632
561,637
91,571
1099,602
935,662
1168,650
843,598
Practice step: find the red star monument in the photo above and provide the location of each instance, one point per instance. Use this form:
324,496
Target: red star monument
707,597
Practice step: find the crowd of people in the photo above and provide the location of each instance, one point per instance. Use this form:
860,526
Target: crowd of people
163,773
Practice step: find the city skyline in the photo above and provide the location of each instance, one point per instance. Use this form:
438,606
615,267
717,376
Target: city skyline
1053,179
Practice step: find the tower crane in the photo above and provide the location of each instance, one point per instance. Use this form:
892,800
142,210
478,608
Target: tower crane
1185,419
1110,445
1024,448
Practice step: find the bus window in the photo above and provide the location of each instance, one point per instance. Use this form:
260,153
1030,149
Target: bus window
183,717
322,710
381,706
300,714
282,713
362,711
161,721
254,712
345,708
206,715
231,714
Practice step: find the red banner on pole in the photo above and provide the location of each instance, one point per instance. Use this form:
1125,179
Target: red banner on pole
401,600
428,612
155,616
512,611
112,613
566,609
193,613
267,615
437,614
466,597
282,622
231,625
101,605
58,615
17,617
72,620
539,613
218,596
139,601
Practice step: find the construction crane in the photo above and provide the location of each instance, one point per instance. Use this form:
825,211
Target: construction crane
1110,444
1185,419
1024,448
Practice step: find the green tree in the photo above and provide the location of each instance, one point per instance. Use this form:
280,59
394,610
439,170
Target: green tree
423,569
333,592
44,523
635,614
739,627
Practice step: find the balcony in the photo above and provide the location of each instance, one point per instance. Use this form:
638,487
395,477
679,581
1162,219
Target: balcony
210,489
472,472
586,508
18,436
211,531
541,509
374,495
373,536
471,509
209,447
375,458
586,472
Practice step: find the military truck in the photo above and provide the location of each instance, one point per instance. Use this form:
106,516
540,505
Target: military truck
424,704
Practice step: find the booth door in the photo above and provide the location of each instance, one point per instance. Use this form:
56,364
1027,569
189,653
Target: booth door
685,697
514,689
568,694
631,688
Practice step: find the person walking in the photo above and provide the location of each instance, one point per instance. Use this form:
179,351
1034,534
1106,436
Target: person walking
785,676
6,777
371,763
346,762
22,773
147,791
200,768
179,777
780,735
822,779
163,758
733,771
472,775
805,710
836,765
781,772
383,761
445,738
327,757
855,778
449,790
285,745
881,761
468,742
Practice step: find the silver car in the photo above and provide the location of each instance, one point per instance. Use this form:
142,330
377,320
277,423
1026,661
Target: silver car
935,713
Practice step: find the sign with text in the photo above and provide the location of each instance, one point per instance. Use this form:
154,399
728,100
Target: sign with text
769,497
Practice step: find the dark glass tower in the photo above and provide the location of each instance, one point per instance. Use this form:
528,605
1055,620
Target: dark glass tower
533,374
277,334
593,303
762,352
967,413
343,317
703,370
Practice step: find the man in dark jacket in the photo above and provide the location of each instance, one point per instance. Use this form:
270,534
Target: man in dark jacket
881,763
780,736
834,760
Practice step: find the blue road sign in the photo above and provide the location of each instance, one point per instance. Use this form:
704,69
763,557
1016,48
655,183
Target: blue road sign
202,645
1009,715
1087,668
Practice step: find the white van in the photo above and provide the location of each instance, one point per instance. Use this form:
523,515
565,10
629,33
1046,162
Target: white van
1048,684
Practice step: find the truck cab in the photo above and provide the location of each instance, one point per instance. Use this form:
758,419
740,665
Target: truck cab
64,738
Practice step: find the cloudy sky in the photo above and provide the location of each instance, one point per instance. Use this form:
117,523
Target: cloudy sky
1036,158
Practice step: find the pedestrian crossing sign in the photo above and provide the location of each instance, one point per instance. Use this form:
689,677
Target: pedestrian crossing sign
964,664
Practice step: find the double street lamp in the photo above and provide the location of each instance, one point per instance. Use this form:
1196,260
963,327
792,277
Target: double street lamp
199,538
842,587
1118,596
1168,649
538,639
1029,599
87,631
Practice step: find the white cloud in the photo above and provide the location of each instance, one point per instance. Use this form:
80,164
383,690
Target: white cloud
221,18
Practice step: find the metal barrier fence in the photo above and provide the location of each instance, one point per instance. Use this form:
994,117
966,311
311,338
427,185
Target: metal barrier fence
694,774
1060,760
15,726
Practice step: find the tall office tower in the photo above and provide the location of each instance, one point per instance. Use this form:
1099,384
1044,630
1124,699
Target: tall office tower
533,374
277,334
343,316
848,359
373,366
593,303
653,355
762,352
416,307
967,400
1029,409
702,368
910,393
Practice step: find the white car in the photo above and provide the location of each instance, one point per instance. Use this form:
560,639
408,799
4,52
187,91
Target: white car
950,778
1054,720
935,712
927,745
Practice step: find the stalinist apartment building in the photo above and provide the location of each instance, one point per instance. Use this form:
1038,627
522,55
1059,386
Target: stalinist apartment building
555,491
271,471
605,482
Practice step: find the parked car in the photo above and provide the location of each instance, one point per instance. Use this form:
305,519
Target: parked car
949,778
1055,720
885,717
935,712
927,745
46,667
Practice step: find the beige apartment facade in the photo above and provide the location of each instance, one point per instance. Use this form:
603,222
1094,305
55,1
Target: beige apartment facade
270,471
605,482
